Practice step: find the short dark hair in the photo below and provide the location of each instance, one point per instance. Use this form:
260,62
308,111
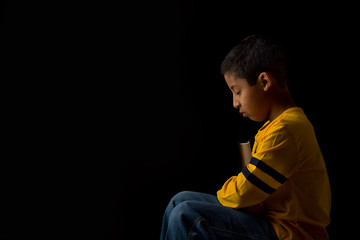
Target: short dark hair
254,55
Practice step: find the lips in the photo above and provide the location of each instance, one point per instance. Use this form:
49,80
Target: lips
243,114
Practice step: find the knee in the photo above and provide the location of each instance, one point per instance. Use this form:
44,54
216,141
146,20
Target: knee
175,201
181,197
186,197
181,213
180,221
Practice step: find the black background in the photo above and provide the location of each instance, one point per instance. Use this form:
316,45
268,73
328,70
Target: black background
111,109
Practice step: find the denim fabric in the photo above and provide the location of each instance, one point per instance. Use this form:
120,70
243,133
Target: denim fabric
193,215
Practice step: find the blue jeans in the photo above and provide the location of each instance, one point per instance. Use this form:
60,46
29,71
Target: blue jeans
192,215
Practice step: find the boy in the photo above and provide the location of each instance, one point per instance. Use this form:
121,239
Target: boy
284,192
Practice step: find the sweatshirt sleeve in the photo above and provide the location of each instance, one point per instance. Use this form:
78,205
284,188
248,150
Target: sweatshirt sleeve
272,163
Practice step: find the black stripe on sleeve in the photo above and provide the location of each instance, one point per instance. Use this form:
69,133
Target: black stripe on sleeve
257,182
269,170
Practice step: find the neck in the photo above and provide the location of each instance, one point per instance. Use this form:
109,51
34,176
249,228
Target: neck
281,102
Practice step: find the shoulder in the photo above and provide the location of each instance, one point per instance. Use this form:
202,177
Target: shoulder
273,135
292,126
296,122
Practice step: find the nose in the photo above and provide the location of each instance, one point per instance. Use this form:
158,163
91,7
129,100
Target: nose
236,102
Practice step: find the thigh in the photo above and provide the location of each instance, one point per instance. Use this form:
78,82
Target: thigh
229,223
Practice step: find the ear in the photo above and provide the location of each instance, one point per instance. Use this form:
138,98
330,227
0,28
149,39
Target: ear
265,80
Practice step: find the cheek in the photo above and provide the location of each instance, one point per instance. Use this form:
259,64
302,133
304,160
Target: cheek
253,103
249,101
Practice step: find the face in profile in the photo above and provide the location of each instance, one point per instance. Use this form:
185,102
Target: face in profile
249,100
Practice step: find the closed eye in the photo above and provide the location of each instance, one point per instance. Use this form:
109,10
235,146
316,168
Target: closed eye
235,90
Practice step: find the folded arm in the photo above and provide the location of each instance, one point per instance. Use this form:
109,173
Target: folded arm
268,169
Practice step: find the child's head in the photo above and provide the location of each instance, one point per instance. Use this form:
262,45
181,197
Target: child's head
254,55
255,71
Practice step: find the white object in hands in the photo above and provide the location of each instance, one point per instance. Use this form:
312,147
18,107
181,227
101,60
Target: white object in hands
245,153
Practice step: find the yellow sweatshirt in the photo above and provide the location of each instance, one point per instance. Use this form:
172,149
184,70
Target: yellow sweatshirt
287,173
